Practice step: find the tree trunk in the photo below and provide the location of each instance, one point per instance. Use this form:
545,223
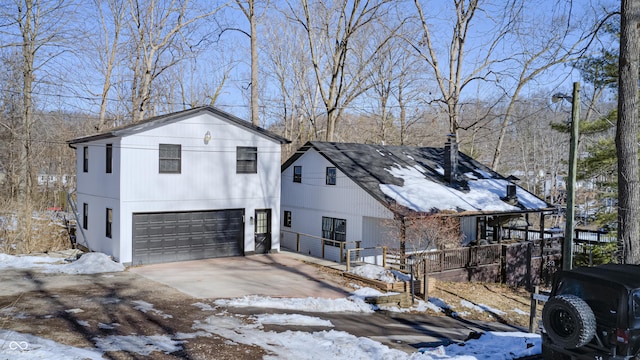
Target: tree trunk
254,64
627,134
28,48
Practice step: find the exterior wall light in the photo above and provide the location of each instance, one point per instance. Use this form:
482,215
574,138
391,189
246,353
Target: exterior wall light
207,137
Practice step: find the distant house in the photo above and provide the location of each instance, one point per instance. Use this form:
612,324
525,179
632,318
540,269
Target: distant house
355,192
195,184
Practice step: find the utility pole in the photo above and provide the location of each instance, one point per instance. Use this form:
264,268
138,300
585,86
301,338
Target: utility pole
567,246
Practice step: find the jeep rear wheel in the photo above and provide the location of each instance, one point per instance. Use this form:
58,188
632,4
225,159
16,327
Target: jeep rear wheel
569,321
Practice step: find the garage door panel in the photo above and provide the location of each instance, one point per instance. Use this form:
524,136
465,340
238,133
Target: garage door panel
165,237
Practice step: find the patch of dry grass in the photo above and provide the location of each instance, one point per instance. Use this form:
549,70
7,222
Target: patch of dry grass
501,303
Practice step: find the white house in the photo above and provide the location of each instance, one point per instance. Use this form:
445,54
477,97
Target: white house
195,184
353,193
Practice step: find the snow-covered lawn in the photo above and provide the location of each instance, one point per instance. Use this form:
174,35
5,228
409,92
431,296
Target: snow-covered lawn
249,330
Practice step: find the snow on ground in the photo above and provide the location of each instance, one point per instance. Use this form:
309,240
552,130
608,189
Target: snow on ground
19,346
145,307
90,263
481,307
309,304
376,272
143,345
342,345
249,330
291,319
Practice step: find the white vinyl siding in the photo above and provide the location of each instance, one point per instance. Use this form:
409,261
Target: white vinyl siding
208,179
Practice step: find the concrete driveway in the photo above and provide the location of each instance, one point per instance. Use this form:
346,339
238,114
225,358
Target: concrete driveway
276,275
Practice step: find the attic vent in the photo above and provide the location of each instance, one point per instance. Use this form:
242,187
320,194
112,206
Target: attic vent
451,159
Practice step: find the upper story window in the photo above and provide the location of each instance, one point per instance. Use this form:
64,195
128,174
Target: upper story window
331,176
109,159
246,160
85,159
170,159
297,174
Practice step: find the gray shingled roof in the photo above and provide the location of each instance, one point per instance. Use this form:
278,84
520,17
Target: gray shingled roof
376,169
161,120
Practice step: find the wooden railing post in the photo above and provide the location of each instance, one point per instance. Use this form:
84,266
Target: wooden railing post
348,259
425,281
341,251
322,245
384,256
297,242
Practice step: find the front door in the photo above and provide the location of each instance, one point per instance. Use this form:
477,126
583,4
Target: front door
263,231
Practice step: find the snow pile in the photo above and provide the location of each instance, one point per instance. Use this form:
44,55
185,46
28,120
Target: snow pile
26,262
90,263
375,272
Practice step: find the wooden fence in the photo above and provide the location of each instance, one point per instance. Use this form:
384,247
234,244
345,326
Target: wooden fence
521,263
526,264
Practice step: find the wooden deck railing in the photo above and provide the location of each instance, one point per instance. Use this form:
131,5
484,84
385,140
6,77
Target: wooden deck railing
450,259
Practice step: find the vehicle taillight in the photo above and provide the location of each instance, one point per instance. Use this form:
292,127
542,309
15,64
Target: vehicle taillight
622,336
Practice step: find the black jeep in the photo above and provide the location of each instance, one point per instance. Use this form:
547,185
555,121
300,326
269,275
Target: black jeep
593,313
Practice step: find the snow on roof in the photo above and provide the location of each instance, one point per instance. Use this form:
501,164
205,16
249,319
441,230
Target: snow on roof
421,194
406,179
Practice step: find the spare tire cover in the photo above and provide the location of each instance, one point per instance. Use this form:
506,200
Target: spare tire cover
568,321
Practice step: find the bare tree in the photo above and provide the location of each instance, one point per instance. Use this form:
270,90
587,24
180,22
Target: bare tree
534,55
295,99
339,55
453,78
396,84
111,26
36,31
161,33
249,11
627,133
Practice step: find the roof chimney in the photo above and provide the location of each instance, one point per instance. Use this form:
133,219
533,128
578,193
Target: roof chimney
451,159
512,196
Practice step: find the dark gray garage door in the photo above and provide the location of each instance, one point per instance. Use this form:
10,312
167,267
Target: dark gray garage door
166,237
